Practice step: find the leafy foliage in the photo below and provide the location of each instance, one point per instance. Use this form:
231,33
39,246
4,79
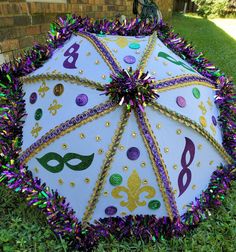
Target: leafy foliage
219,8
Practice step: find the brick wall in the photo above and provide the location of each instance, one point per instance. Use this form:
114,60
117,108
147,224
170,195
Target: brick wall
24,21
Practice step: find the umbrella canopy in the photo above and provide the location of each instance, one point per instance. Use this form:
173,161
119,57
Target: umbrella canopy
127,131
121,125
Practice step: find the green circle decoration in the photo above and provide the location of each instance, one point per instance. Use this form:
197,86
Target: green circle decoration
154,204
38,114
115,179
134,46
196,93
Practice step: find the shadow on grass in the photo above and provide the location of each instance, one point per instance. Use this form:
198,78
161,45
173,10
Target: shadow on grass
205,36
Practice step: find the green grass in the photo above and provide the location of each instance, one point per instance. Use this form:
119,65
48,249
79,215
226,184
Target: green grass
25,229
216,44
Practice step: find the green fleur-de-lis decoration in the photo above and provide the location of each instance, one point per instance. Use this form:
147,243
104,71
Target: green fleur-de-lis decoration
133,191
36,129
85,161
43,89
54,107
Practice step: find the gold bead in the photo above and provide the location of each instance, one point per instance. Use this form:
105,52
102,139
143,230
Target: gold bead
125,168
211,162
100,151
64,146
198,164
194,187
175,191
105,194
104,76
134,134
121,147
81,71
97,62
123,213
199,146
115,50
156,58
184,206
166,149
72,184
169,73
178,131
36,169
143,164
158,126
82,135
98,138
60,181
175,166
88,53
107,124
145,181
86,180
165,63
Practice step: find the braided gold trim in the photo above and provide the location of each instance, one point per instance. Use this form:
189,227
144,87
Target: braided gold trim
155,169
186,84
97,49
179,77
148,51
105,168
194,125
65,77
44,145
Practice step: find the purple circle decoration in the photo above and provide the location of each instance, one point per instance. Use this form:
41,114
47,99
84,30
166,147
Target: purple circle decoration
133,153
111,210
129,59
33,98
81,100
214,120
181,102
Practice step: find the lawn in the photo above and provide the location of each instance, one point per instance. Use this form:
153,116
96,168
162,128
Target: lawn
25,229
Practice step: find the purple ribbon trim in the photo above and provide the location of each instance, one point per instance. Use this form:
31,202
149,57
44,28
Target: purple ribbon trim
103,50
64,126
159,165
184,79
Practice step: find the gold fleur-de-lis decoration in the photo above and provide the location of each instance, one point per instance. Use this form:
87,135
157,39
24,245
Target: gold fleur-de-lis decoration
213,129
209,102
54,107
36,129
43,89
203,108
122,42
133,190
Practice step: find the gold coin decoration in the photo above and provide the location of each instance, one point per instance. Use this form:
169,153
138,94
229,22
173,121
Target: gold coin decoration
202,120
58,89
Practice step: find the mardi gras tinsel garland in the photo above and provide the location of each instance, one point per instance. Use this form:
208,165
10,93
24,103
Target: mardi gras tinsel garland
57,210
